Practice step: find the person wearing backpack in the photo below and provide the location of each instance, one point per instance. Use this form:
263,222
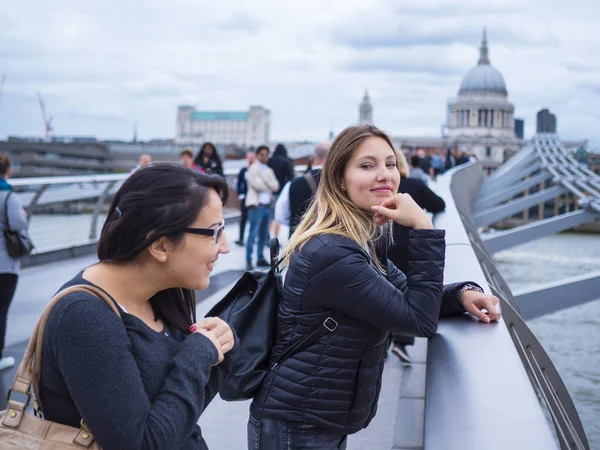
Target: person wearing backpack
142,380
302,189
14,218
296,195
336,279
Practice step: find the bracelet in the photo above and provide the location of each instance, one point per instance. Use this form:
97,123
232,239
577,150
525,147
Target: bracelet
465,288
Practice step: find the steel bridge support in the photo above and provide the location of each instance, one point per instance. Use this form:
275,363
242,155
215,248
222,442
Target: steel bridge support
497,213
559,295
499,197
505,239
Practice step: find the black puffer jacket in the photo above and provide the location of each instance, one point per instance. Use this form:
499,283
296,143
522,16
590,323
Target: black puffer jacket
335,382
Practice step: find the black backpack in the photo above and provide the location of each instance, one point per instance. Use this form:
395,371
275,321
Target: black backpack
250,308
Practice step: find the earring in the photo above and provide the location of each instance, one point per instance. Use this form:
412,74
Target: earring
164,258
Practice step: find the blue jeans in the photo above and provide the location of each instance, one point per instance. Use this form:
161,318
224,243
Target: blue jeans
272,434
259,217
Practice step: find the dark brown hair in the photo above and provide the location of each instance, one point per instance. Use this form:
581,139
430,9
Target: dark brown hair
156,201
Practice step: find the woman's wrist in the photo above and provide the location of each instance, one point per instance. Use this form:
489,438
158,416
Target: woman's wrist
423,224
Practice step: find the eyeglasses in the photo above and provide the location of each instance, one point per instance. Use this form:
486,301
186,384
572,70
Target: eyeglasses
217,233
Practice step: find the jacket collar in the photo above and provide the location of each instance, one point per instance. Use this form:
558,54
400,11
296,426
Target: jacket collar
4,186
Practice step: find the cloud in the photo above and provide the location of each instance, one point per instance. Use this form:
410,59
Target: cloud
101,66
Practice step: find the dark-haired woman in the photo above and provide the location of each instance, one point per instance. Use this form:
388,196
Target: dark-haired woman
141,381
208,160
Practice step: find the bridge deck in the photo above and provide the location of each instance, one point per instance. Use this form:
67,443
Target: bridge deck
224,424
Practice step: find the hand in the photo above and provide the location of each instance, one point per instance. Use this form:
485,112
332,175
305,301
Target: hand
402,209
213,338
221,329
474,302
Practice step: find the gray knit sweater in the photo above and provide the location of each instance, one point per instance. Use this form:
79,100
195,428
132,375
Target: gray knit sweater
135,388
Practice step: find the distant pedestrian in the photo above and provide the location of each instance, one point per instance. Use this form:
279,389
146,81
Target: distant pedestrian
449,162
288,210
187,160
208,160
262,183
242,191
437,164
416,171
283,167
301,189
425,162
142,380
12,217
144,160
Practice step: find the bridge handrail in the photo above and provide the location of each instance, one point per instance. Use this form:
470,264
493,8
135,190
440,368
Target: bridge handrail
478,394
545,379
96,190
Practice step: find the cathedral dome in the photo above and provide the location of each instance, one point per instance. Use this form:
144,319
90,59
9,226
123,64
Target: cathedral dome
483,78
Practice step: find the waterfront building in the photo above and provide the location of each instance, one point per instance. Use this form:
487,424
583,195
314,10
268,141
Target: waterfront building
240,128
62,156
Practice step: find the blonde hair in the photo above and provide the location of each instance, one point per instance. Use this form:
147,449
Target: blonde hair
332,211
402,164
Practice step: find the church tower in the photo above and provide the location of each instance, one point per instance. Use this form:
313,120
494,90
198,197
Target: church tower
365,110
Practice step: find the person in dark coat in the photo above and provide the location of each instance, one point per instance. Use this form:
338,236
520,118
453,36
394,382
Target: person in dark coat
242,190
301,194
283,167
398,251
208,160
337,279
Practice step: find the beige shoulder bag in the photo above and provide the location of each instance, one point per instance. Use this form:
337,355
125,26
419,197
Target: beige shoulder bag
21,430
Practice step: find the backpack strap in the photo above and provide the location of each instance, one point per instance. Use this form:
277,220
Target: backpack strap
29,370
329,325
312,184
274,251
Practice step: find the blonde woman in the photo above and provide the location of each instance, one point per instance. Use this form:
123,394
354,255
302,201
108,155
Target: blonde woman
335,277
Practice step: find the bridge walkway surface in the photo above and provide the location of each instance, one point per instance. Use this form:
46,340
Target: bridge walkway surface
224,423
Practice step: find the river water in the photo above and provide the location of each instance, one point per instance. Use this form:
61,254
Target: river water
570,337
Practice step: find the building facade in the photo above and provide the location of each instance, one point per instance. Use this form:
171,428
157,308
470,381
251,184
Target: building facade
61,157
365,110
480,119
546,122
241,128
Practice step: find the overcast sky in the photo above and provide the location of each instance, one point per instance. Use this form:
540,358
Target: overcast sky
101,68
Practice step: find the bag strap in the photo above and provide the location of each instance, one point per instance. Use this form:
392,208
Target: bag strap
29,370
274,250
6,210
329,325
312,184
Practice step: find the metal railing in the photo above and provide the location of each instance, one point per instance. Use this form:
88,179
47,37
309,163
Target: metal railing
88,197
487,370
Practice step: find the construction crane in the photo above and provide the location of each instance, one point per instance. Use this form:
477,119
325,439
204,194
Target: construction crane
47,120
